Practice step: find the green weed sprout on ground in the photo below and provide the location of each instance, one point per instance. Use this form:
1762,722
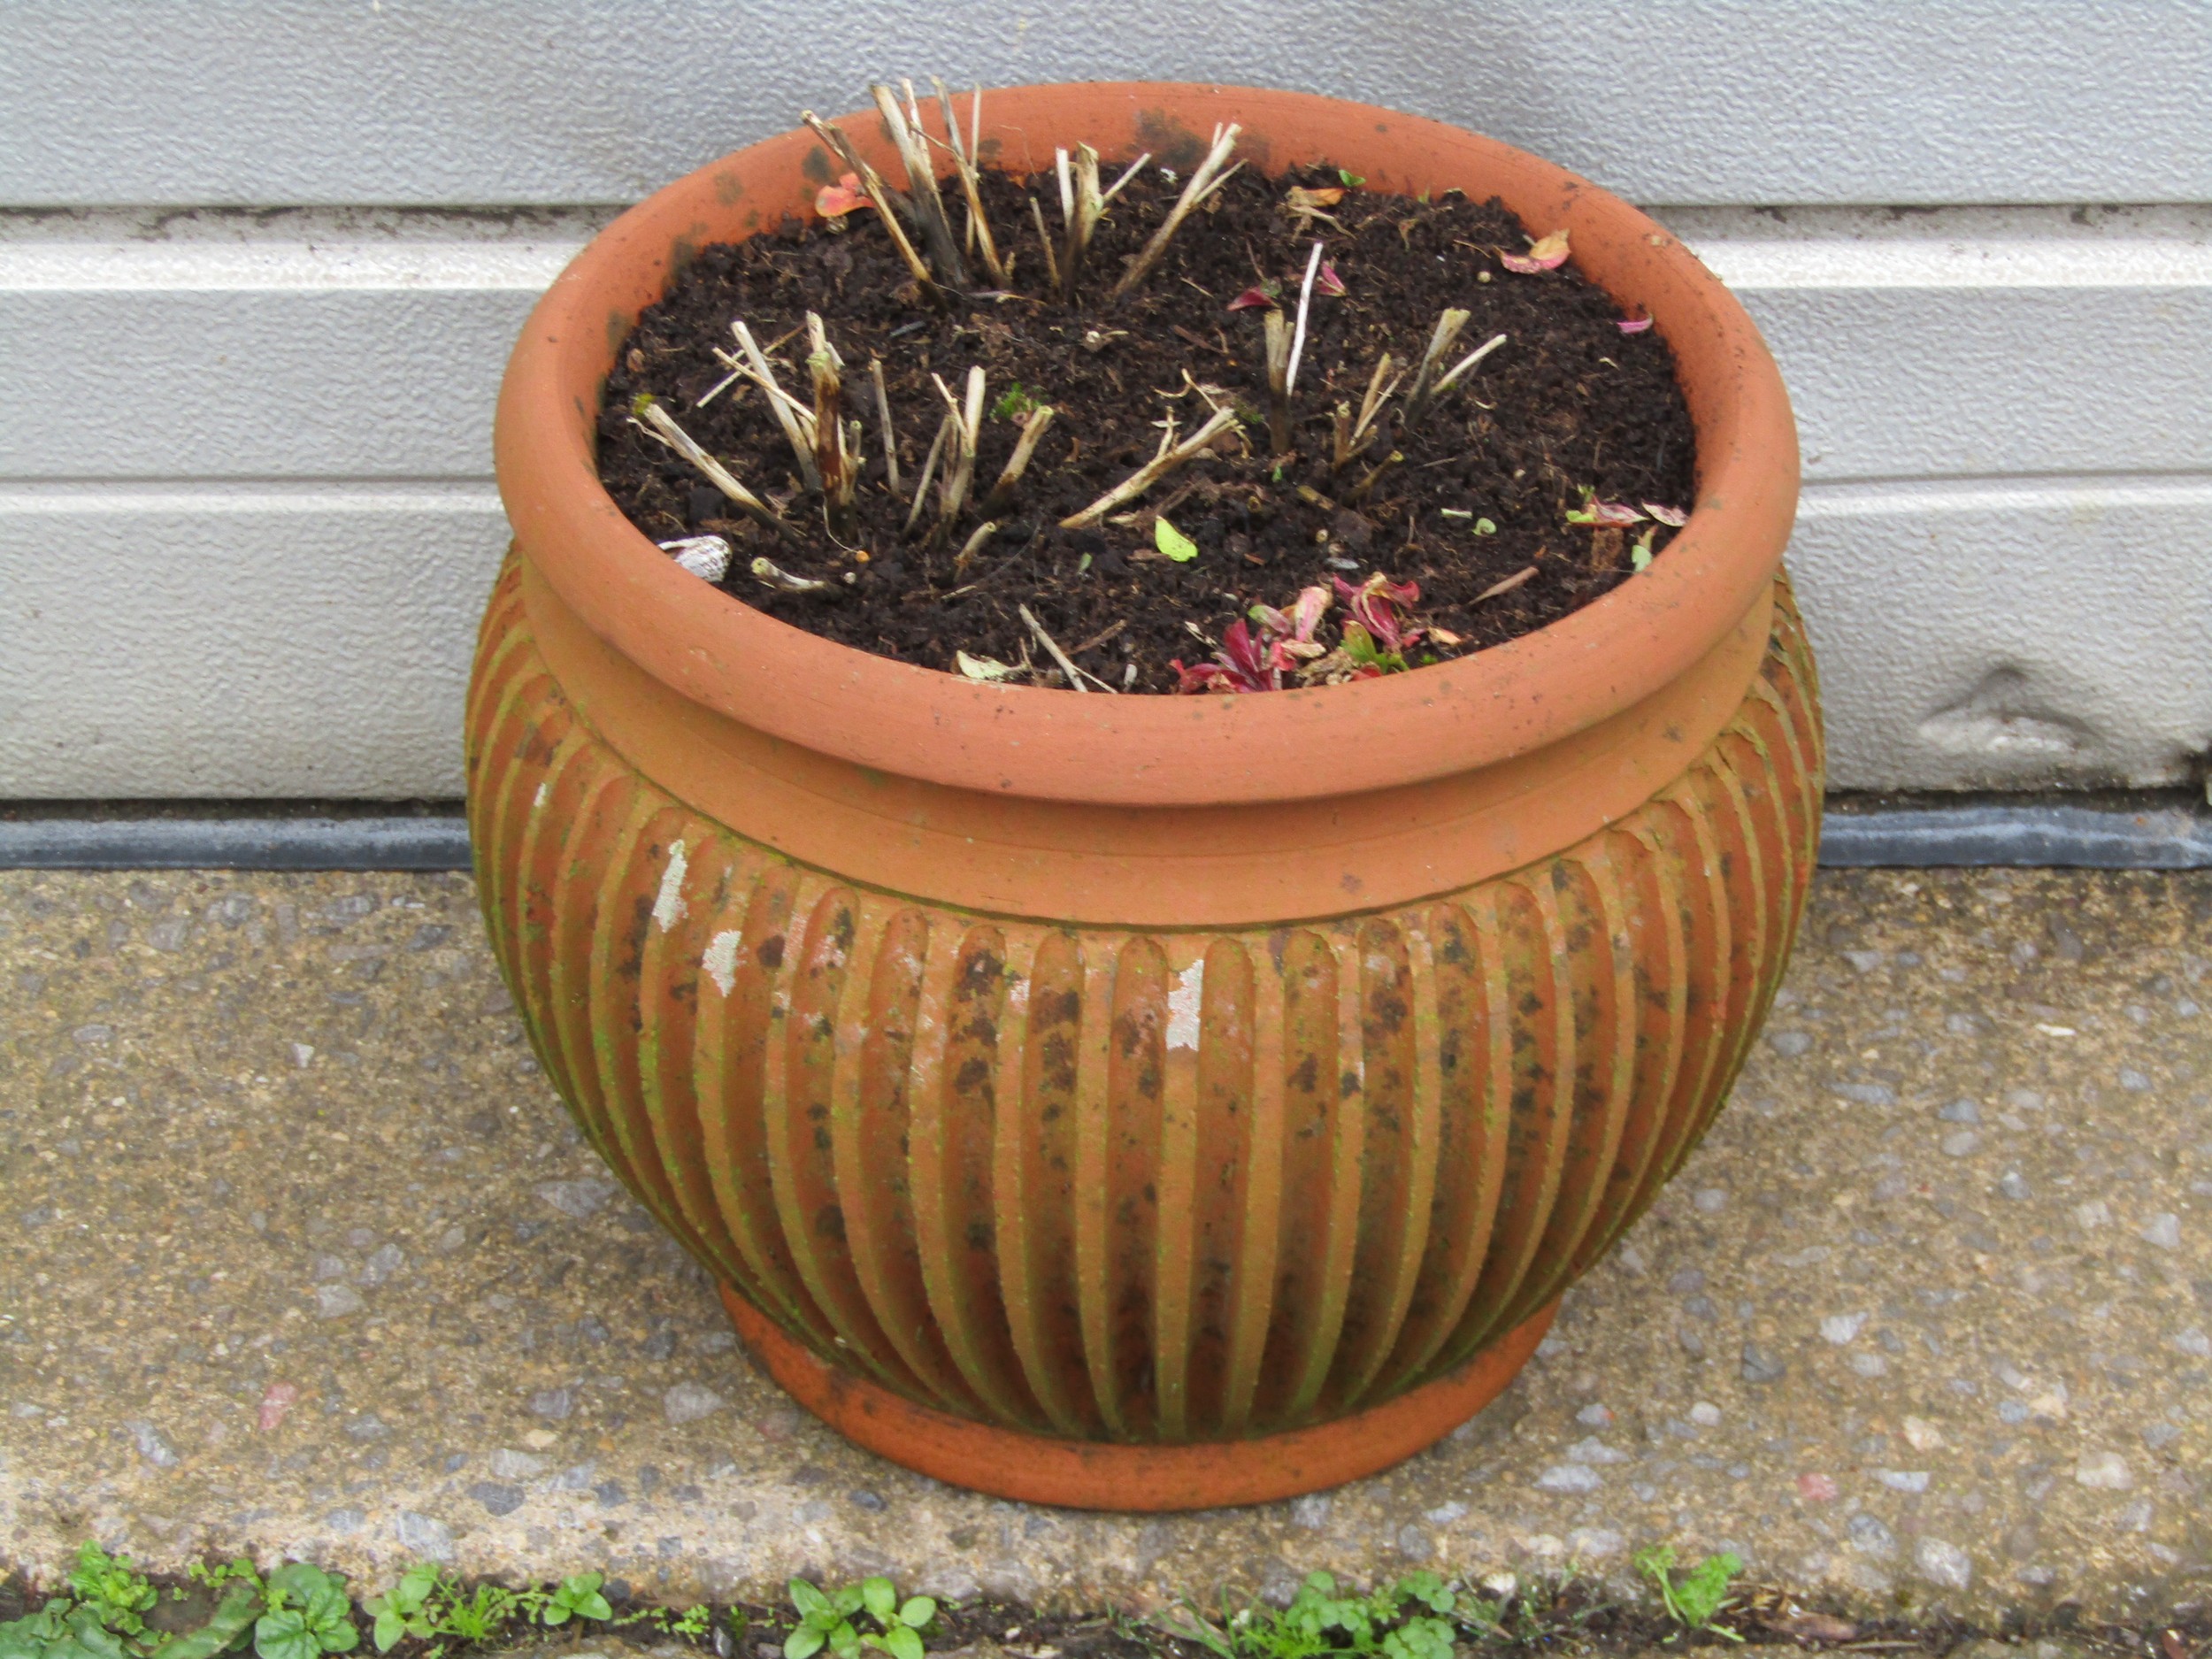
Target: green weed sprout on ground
299,1612
1702,1594
1417,1617
310,1615
114,1591
826,1620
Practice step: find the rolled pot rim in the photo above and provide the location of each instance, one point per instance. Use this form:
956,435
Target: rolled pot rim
1159,750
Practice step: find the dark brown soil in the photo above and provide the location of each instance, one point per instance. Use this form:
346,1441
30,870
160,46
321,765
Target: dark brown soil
1570,404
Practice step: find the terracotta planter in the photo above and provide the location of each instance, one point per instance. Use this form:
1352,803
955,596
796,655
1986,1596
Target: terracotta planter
1141,1103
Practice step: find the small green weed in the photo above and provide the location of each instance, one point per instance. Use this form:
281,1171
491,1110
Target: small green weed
298,1612
577,1597
1012,403
310,1615
826,1620
114,1591
1417,1617
1701,1596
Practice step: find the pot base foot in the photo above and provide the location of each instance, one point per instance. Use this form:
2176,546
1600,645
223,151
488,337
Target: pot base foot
1105,1475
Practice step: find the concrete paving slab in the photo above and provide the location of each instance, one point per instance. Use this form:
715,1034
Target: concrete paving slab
298,1255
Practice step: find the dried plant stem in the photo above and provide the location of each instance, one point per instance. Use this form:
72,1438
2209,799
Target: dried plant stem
793,416
664,426
1353,437
970,179
883,419
1153,470
882,195
1081,207
1052,262
1076,676
1298,338
834,454
925,206
929,471
967,430
783,581
1358,492
973,546
741,370
1010,477
1205,179
1505,587
1447,331
1444,381
1278,329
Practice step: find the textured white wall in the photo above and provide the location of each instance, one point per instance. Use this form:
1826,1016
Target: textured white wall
245,519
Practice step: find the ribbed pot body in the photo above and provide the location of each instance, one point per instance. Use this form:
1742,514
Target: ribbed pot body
1143,1070
1143,1183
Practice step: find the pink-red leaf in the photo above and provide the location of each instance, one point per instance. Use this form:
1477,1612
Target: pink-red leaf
834,201
1253,299
1547,254
1328,283
1374,606
1675,517
1605,515
1632,325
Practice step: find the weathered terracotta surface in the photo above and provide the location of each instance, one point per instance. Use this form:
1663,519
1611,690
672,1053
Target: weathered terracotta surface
1143,1071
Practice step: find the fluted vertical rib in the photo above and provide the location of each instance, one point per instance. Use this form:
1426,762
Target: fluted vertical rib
1135,1186
1093,1202
1260,1227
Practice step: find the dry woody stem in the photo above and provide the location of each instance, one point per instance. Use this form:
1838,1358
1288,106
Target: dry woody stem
1353,437
967,433
883,419
835,446
1278,327
1052,648
1153,470
662,425
1010,477
1082,205
1205,179
1447,331
964,161
882,195
773,575
924,207
1445,380
794,418
929,471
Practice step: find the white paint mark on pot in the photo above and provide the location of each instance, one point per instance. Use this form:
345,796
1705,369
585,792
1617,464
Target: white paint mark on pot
720,962
1183,1002
669,907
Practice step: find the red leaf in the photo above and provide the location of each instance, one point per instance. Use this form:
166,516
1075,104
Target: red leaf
1328,283
834,201
1547,255
1374,606
1253,299
1632,325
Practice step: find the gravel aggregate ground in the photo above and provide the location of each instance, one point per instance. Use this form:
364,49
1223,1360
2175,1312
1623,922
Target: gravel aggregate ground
298,1254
